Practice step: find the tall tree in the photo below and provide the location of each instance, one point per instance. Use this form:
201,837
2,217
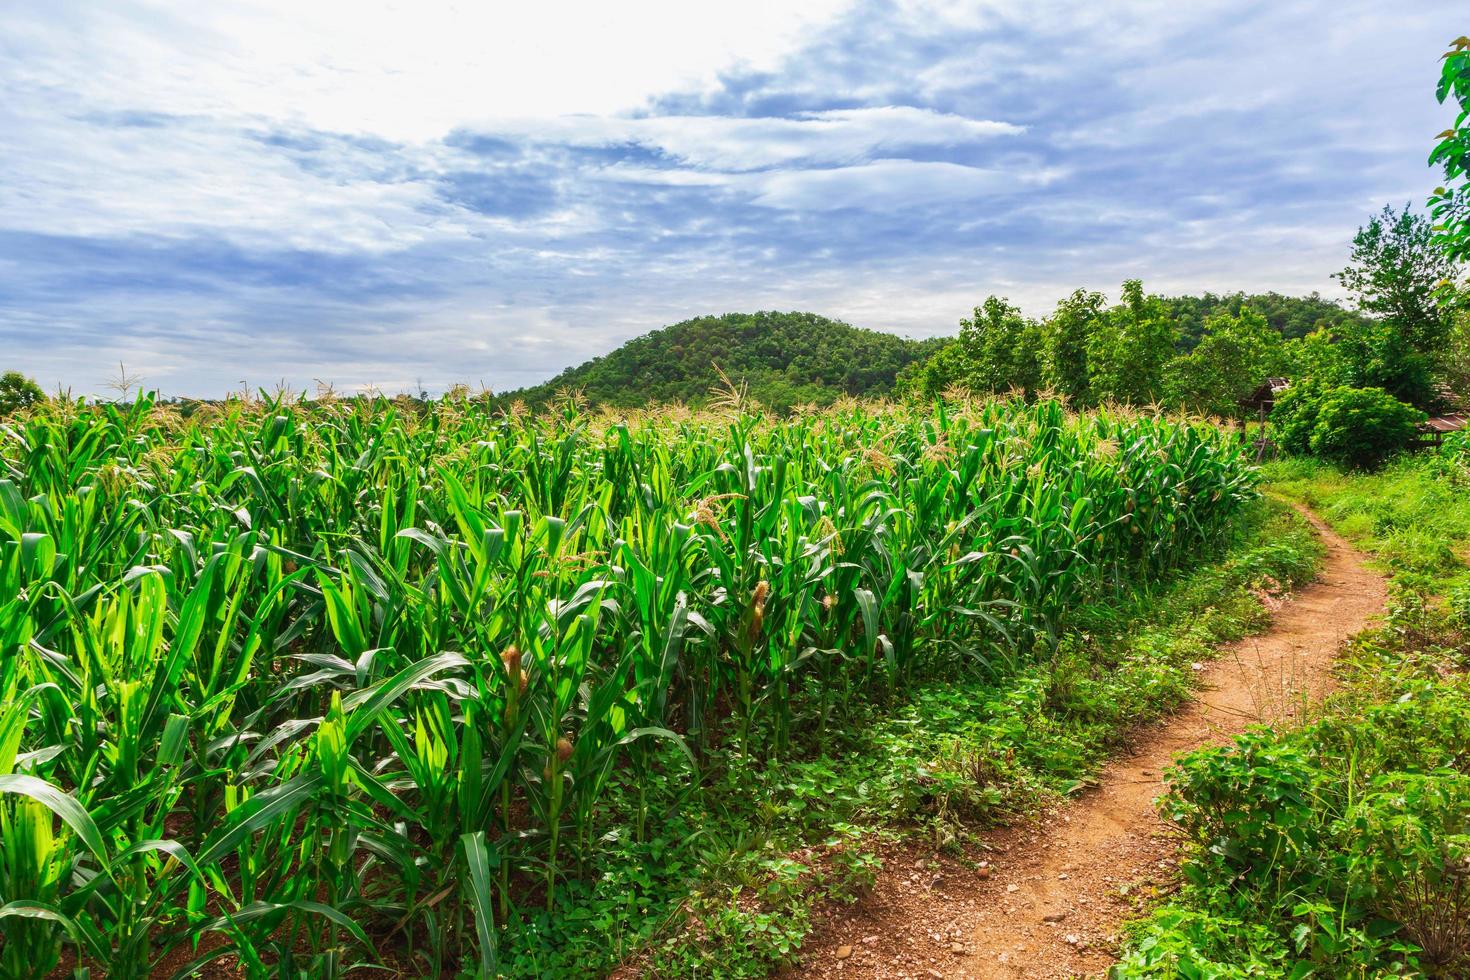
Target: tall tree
1003,348
1396,272
1129,347
1064,338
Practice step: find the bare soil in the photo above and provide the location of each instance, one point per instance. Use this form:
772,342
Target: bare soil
1054,892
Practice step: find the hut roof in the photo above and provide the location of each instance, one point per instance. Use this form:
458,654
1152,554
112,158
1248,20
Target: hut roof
1266,392
1453,422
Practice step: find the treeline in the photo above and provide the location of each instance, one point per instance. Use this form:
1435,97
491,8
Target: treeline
1407,336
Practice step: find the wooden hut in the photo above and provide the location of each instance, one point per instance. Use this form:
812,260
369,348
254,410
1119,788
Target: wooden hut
1263,398
1432,431
1260,402
1452,418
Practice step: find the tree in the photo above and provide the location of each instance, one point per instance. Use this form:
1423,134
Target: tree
1317,355
1128,348
17,392
1064,339
1291,316
1396,271
930,379
1456,363
1234,356
1003,348
1379,354
1450,203
1399,274
783,358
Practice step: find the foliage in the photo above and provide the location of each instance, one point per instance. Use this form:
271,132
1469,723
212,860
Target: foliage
947,369
1128,348
781,359
18,392
1293,317
1002,349
1380,356
1455,365
1358,427
1294,416
1345,846
1065,336
305,682
1361,427
1235,354
1340,848
1396,273
1450,203
1087,351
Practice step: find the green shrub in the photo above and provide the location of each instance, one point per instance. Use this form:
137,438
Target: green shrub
1295,414
1457,446
1356,427
1339,849
1362,426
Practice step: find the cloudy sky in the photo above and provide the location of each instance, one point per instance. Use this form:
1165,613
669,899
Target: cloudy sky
425,192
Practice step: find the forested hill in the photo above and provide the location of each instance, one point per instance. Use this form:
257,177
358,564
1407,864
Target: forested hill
784,359
1291,316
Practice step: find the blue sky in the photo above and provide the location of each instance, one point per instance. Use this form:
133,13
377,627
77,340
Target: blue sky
405,193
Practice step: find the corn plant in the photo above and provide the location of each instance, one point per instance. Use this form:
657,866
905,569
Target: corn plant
300,683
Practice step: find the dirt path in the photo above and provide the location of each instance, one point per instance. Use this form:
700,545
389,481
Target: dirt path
1057,889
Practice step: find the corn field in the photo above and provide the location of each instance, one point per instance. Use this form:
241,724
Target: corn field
302,684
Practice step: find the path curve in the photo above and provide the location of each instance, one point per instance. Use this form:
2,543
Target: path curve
1058,889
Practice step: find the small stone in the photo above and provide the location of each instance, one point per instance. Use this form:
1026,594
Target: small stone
1013,888
1054,917
843,952
982,872
1071,939
957,949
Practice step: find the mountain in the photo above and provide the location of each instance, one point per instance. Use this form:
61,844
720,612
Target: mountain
784,359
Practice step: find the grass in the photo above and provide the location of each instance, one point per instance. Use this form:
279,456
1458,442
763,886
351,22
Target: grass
1341,847
775,840
1413,516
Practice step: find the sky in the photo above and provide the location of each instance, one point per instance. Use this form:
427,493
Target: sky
416,194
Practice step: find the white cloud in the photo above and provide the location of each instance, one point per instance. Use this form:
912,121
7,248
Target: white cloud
734,143
65,175
405,71
893,185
